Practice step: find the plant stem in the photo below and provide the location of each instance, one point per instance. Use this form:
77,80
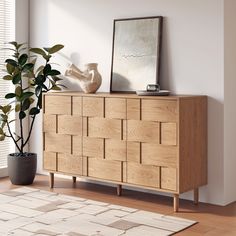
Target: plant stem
31,128
9,130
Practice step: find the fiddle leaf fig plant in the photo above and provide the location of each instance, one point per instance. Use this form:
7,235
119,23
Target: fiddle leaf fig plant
29,83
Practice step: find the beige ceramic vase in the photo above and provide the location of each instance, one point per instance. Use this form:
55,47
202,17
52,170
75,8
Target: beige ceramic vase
89,80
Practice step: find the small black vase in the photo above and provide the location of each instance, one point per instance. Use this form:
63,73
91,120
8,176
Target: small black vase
22,168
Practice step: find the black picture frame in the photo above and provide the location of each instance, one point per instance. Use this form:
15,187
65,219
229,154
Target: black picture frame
120,81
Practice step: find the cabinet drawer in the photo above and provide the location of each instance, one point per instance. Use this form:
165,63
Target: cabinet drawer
71,164
145,175
158,110
50,161
105,169
57,105
169,178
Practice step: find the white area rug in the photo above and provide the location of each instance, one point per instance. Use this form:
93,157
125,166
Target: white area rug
28,211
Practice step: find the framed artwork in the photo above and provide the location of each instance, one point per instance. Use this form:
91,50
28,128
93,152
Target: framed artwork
135,53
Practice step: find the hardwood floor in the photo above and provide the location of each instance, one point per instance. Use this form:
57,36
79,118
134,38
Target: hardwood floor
213,220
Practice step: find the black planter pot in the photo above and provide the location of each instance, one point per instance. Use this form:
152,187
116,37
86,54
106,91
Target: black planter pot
22,168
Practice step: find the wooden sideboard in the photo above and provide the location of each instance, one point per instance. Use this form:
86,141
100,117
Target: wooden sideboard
158,143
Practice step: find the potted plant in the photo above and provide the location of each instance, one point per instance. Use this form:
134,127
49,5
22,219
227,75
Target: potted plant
26,100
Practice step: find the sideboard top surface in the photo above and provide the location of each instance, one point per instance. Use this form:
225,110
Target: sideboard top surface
119,95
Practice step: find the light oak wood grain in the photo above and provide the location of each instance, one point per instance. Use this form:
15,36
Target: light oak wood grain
133,152
168,133
158,110
143,131
93,107
70,125
104,128
50,123
115,108
93,147
105,169
57,105
50,161
115,150
133,109
70,164
144,175
77,105
160,155
168,178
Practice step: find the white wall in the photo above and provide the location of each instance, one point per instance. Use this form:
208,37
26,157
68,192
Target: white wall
192,55
229,100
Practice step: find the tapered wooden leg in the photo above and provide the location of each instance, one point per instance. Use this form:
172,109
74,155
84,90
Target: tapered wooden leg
119,189
51,177
74,179
176,202
196,196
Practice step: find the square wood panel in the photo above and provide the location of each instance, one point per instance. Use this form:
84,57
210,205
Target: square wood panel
93,107
50,123
145,175
159,110
104,128
77,106
115,150
105,169
69,164
133,109
115,108
159,155
57,143
50,161
169,133
143,131
57,105
169,178
93,147
70,125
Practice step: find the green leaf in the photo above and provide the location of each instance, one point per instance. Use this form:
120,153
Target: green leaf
38,90
54,72
11,62
38,51
20,45
39,80
55,88
54,49
17,108
26,104
3,124
34,111
10,68
26,95
28,66
1,131
22,115
2,137
13,43
7,77
10,95
31,100
18,91
23,59
47,69
16,78
3,117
